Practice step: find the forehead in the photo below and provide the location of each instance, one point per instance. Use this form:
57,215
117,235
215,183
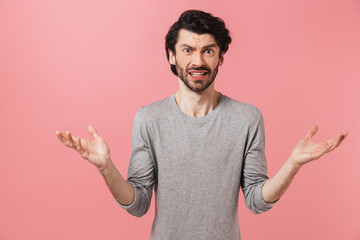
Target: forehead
193,39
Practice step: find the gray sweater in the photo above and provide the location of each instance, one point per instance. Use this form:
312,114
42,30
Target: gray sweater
197,166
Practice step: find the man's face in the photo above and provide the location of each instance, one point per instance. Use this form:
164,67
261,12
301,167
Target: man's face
196,60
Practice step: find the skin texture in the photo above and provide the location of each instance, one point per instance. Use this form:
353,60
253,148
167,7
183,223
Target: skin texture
196,98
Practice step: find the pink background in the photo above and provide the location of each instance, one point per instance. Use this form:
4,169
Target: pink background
67,64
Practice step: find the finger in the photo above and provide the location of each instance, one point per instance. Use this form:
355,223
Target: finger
341,138
83,147
70,138
335,142
331,147
332,143
312,132
69,141
81,143
79,147
344,136
93,131
78,144
61,136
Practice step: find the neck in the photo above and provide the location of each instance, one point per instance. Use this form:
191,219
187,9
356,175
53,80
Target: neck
197,104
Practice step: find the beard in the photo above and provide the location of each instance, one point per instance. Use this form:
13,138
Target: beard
197,85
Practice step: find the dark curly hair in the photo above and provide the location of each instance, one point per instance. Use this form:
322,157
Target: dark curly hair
201,23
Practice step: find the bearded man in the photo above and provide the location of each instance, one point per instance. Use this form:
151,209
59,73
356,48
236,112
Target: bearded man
197,148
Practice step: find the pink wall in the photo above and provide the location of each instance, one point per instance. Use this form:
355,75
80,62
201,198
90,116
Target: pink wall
67,64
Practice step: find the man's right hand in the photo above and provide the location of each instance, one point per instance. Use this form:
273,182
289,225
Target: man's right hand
96,151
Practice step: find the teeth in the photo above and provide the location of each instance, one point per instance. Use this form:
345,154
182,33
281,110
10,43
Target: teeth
197,74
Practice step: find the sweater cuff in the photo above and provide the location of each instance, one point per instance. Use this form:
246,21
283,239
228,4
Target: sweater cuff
127,207
261,203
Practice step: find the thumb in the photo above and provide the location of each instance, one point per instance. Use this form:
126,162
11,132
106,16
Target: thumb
93,131
312,132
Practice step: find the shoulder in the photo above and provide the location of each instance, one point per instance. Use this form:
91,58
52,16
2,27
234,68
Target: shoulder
239,108
153,110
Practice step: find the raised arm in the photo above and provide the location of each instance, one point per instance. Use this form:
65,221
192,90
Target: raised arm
304,151
97,152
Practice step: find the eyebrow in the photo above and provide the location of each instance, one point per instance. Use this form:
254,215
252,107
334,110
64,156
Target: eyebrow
207,46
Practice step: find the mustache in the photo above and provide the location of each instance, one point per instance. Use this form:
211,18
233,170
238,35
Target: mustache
199,69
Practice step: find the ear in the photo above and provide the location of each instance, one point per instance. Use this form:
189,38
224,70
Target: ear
171,57
221,59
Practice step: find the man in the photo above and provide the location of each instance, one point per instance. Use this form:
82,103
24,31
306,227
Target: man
197,147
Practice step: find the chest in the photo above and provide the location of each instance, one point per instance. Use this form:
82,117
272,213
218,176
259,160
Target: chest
198,152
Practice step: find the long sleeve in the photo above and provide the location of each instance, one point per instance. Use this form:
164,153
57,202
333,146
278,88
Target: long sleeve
141,172
254,172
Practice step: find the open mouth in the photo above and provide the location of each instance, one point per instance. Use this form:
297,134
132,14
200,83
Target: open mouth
197,73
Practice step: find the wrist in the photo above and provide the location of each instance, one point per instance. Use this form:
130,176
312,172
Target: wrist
106,166
293,166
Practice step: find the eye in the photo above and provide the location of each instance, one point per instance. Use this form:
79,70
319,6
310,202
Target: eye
208,51
187,50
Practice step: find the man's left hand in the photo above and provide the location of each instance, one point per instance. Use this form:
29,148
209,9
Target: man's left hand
306,151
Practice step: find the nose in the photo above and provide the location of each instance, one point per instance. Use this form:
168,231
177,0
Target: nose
197,60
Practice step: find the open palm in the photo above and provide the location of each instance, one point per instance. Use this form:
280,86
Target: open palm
95,151
305,150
